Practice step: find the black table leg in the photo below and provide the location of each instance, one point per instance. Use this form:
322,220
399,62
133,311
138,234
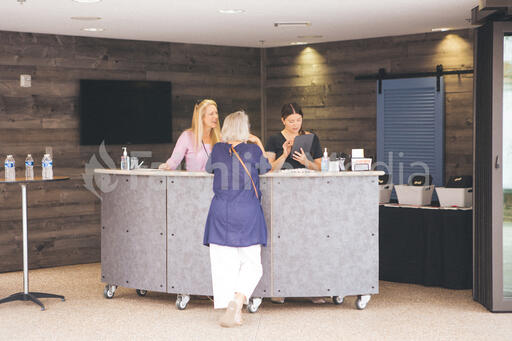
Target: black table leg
44,295
31,296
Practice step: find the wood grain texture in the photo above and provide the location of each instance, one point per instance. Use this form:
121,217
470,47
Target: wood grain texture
64,218
342,111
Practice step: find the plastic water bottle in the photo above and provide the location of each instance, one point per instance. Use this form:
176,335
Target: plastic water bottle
29,167
325,161
47,167
10,172
43,166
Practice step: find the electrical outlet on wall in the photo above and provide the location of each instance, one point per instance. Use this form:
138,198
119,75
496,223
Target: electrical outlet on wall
25,81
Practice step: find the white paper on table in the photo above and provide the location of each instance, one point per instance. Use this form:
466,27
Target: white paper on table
357,153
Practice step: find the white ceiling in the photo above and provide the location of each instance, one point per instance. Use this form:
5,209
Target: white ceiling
199,21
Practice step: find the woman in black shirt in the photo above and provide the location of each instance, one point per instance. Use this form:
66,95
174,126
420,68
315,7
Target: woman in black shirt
279,145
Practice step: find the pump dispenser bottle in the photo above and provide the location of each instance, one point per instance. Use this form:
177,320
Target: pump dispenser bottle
125,160
325,161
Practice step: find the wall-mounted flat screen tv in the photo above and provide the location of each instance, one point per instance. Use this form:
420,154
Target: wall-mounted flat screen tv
125,112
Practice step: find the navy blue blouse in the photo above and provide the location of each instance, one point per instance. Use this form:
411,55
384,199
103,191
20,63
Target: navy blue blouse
236,217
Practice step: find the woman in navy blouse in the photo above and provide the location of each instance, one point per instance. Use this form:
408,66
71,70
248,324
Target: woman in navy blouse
235,228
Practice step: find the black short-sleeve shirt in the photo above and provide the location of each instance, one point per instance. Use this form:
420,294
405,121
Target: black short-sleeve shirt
275,145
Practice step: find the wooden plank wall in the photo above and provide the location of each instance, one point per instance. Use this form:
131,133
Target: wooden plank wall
64,217
342,111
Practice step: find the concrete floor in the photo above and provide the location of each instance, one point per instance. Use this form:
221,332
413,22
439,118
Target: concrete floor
399,312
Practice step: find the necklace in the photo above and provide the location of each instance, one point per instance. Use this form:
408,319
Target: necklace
287,135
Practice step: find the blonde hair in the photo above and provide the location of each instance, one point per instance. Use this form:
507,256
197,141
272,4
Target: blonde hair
236,127
197,123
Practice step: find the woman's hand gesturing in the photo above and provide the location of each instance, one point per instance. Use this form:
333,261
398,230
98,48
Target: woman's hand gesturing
287,147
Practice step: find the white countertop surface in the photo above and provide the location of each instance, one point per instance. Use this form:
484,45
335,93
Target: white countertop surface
158,172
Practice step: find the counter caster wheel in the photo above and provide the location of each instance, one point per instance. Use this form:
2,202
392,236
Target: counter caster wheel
109,291
254,304
182,301
141,292
362,301
337,300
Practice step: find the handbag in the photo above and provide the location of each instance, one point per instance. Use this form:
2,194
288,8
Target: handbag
420,180
232,150
463,181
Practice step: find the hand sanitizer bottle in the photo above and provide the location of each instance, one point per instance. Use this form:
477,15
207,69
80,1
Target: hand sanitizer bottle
325,161
125,160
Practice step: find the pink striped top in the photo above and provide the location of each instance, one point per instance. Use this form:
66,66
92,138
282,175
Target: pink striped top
185,147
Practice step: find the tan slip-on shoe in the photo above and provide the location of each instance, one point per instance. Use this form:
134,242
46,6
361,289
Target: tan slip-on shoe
229,319
277,300
318,300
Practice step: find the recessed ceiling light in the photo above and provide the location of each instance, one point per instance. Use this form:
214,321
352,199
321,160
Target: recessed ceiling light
440,29
93,29
298,43
310,37
292,24
87,1
86,18
231,11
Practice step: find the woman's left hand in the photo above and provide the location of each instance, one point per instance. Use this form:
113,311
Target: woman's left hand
164,166
253,139
300,157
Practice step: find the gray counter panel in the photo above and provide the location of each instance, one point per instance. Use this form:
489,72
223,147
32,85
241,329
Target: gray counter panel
188,260
325,236
264,286
133,245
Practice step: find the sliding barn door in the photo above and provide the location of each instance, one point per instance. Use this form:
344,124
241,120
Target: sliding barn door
410,128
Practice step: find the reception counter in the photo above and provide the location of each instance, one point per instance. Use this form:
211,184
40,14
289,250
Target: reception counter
322,234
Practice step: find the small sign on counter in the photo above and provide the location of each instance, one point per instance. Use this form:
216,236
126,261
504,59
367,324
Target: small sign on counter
363,164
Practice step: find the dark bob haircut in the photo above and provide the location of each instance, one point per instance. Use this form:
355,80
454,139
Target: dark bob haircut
291,108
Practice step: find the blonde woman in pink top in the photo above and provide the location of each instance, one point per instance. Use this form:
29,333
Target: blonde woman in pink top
195,144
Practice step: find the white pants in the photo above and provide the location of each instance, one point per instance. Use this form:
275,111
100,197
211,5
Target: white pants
234,270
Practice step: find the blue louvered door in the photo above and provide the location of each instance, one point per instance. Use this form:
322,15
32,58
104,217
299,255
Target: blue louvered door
410,128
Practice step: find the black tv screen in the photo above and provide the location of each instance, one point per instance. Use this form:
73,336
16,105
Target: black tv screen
125,112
